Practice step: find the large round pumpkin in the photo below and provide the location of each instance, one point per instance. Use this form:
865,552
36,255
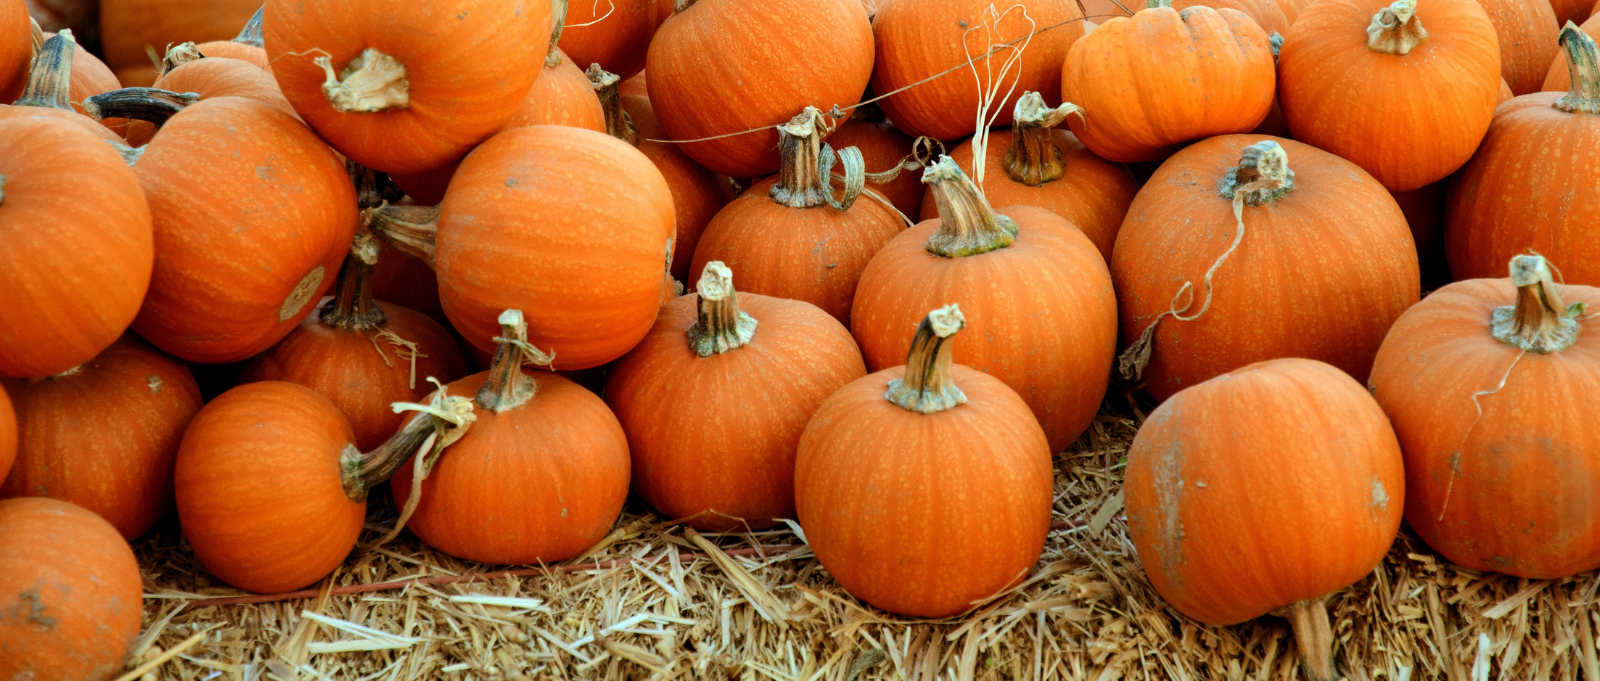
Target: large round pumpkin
1526,32
73,599
1038,164
1232,523
104,435
1489,383
758,61
1571,10
715,398
1318,266
929,497
1033,283
614,34
1408,103
127,27
75,246
919,39
401,86
1164,77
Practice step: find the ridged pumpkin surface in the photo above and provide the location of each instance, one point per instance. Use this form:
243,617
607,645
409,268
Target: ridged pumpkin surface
561,96
228,49
16,48
210,78
697,194
614,34
1526,30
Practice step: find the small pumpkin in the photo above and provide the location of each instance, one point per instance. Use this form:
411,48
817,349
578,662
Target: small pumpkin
715,398
759,61
1351,72
50,84
1526,31
929,497
539,478
1571,10
128,26
208,78
1209,502
615,34
883,147
73,595
248,46
104,435
561,96
75,245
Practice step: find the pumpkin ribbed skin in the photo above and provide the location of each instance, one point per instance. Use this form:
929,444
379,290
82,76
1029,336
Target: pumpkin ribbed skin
228,49
584,264
540,483
75,245
917,39
467,66
127,26
717,435
1208,502
105,438
1043,311
1268,14
210,78
760,61
258,487
16,49
922,514
1541,154
561,96
697,193
1510,490
62,564
1093,195
1164,77
1341,97
616,34
254,215
1320,273
1526,32
883,147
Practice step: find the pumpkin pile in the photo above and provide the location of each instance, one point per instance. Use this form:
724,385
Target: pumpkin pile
445,246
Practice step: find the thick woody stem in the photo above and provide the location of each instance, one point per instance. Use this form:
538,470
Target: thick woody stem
967,225
800,149
50,75
1539,321
139,103
681,5
437,425
721,326
558,21
927,387
618,124
1034,158
352,308
411,229
1583,95
507,387
370,83
1308,620
1396,29
251,33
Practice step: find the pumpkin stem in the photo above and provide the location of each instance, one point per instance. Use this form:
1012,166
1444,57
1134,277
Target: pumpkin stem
251,33
558,21
618,123
437,425
352,308
507,387
800,183
1033,158
967,225
1312,634
1396,29
1157,4
681,5
411,229
2,190
140,103
50,75
370,83
722,326
1583,95
178,55
927,387
1539,321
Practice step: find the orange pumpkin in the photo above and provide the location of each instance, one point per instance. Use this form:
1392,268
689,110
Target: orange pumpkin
75,245
51,82
759,61
1571,10
932,496
614,34
104,435
1037,164
247,46
919,39
715,398
73,596
1326,265
1526,32
1164,77
499,495
16,48
1351,71
1036,286
1268,14
209,78
400,86
1558,202
1209,503
128,27
883,147
561,96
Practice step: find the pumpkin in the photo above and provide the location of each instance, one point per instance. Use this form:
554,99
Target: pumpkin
405,87
247,46
760,61
270,491
16,48
1537,151
1037,164
1526,30
1209,502
561,96
1505,93
129,27
1268,14
362,354
931,496
8,433
50,84
1034,284
1348,88
104,435
1327,265
1571,10
635,86
1480,380
539,478
921,39
714,400
788,235
1164,77
73,596
1424,211
884,148
75,245
585,262
614,34
209,78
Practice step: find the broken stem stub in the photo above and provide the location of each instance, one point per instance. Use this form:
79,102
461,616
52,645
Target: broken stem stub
927,387
1539,322
967,225
1033,158
721,326
1396,29
438,424
370,83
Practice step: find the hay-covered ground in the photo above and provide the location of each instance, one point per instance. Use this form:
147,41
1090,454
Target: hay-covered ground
656,603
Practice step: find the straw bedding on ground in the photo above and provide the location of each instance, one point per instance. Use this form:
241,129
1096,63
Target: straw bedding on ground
654,603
